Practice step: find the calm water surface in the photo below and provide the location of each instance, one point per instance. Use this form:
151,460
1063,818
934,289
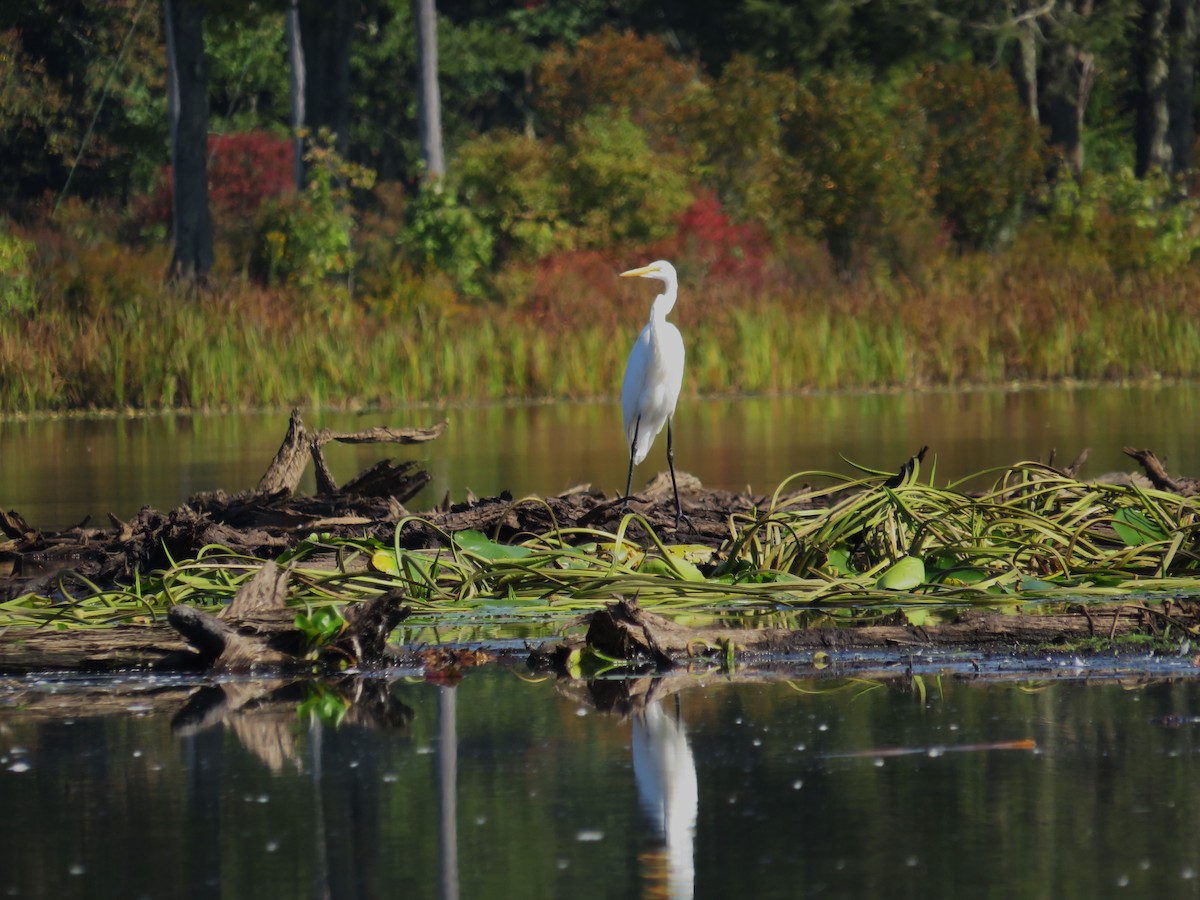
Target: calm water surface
56,472
502,787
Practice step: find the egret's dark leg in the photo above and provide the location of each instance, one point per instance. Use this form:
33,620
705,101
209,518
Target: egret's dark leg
632,453
671,465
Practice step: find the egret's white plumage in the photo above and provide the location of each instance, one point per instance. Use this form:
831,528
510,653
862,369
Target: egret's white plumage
653,375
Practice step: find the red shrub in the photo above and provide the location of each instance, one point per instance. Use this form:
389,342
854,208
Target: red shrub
244,171
724,249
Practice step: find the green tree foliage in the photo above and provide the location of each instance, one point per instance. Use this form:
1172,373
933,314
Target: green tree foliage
305,239
81,81
510,180
618,72
620,190
737,124
983,148
853,172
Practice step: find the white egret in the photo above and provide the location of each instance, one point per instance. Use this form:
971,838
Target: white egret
653,377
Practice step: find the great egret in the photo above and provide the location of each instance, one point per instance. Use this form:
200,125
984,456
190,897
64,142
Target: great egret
653,377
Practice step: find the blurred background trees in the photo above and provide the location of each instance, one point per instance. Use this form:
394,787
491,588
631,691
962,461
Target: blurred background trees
873,129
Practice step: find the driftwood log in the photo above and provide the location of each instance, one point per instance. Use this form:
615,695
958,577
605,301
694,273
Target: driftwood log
299,445
623,630
257,630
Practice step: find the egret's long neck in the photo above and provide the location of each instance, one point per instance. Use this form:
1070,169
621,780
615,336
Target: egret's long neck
662,305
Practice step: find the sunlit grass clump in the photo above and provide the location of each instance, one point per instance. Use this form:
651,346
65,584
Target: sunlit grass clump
850,547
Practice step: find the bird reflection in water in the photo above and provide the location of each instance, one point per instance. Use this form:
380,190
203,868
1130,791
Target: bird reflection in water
666,783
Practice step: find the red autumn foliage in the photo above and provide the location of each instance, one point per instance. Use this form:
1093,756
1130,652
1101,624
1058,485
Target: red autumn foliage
726,250
244,171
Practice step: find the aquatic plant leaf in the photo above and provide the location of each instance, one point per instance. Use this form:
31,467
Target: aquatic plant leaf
481,545
385,561
675,568
903,575
838,559
1135,528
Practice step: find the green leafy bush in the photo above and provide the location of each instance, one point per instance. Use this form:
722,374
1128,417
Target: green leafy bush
306,239
737,127
853,170
16,274
508,181
620,190
1135,224
441,234
983,147
618,71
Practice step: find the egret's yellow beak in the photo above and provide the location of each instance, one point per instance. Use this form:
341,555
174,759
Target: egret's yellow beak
644,270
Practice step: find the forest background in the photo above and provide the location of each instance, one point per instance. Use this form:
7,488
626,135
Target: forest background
857,194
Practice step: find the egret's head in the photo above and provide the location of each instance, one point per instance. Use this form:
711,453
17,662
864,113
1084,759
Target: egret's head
662,270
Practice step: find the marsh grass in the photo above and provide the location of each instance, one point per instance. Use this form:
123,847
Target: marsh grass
107,333
857,546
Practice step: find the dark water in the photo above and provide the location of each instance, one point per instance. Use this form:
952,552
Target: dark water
502,787
56,472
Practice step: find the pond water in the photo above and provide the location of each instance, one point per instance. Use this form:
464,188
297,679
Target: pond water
509,787
946,783
55,472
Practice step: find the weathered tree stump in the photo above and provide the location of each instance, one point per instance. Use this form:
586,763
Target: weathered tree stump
257,630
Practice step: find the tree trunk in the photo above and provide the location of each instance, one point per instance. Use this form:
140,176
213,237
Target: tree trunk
1181,83
430,106
1153,118
296,83
1069,71
326,32
188,85
1025,67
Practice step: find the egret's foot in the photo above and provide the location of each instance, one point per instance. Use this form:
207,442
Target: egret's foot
681,516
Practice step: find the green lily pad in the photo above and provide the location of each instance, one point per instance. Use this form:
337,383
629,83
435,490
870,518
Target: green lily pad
905,574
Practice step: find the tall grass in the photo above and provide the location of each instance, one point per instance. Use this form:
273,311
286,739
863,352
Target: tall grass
100,341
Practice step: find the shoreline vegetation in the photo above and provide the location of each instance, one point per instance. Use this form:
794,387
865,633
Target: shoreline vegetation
982,322
902,221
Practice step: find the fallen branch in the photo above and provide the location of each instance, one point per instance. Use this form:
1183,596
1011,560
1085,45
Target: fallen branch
300,444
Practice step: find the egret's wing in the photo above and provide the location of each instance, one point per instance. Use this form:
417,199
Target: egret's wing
634,386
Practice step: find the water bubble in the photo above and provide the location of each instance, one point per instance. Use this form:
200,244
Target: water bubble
19,767
879,763
481,820
272,846
77,869
1188,873
581,711
757,742
389,777
911,860
797,784
263,798
1122,881
935,752
589,835
801,747
823,727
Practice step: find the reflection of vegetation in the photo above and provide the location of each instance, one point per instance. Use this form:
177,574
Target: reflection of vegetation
859,547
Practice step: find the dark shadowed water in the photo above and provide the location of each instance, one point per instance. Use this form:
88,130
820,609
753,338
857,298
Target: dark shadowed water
56,472
502,787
